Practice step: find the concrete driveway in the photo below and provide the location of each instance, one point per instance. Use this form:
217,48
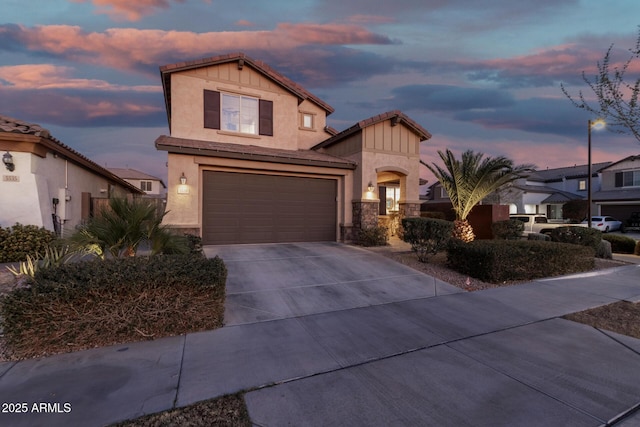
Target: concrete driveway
278,281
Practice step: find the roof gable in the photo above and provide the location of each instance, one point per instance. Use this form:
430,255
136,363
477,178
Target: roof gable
395,116
243,60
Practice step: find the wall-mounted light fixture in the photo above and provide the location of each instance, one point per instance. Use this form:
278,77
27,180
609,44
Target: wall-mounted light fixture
183,188
7,159
370,187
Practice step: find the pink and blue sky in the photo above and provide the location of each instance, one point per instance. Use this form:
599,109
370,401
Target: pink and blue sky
478,74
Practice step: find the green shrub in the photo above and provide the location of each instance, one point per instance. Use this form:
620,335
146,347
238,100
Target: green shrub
74,306
538,236
194,243
577,235
497,261
21,240
510,229
433,214
120,228
373,236
604,250
620,244
427,236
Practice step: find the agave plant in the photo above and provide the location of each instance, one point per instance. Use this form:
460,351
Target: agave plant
53,256
471,179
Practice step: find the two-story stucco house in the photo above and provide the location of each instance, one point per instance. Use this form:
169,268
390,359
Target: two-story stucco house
251,158
47,183
619,195
151,185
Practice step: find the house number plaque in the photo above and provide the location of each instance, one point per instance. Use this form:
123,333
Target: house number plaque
11,178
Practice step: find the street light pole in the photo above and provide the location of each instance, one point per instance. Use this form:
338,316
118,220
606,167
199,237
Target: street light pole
598,124
589,178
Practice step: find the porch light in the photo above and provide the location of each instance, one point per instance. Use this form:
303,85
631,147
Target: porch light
7,159
370,187
183,188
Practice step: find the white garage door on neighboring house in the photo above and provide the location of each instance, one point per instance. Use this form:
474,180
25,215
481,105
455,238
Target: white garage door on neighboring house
255,208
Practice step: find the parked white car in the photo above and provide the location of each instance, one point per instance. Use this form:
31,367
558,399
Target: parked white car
538,223
604,223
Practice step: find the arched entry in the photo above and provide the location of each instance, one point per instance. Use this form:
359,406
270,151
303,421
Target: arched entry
391,184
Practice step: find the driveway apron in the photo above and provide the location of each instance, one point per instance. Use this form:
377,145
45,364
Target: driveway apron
278,281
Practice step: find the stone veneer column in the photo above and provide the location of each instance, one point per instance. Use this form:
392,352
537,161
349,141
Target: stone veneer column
406,210
365,214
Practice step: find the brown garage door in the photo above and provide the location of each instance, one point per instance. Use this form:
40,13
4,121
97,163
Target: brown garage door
252,208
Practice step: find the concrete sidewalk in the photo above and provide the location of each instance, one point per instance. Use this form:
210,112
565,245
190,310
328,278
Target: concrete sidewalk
490,358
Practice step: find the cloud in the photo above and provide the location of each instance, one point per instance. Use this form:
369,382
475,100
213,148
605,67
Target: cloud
130,10
84,109
144,50
449,98
48,76
554,116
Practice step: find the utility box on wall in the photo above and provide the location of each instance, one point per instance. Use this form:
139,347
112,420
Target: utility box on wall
482,216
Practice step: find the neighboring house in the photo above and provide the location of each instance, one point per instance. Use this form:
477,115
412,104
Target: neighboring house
545,191
251,158
151,185
615,190
47,183
619,195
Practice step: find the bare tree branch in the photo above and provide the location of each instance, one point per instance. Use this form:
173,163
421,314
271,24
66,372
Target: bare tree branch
617,98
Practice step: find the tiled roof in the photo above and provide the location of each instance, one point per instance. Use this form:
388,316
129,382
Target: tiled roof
626,159
397,115
293,87
11,125
127,173
616,195
557,174
250,152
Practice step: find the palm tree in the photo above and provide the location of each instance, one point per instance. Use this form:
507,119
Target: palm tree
470,180
121,228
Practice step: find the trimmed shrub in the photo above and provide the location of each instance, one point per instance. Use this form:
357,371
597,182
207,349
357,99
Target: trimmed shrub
497,261
433,214
510,229
74,306
21,240
577,235
620,244
427,236
538,236
604,250
372,236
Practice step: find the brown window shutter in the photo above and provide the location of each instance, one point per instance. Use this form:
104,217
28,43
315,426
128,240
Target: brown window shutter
211,109
618,179
266,117
382,195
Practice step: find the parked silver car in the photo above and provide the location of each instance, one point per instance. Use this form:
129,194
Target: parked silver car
604,223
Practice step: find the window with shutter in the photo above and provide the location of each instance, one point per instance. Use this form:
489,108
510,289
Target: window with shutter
266,117
211,109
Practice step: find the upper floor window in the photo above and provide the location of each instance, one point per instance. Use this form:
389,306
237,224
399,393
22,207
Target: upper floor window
443,193
582,185
307,121
238,113
628,179
145,185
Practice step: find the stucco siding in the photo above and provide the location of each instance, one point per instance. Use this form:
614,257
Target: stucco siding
187,101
